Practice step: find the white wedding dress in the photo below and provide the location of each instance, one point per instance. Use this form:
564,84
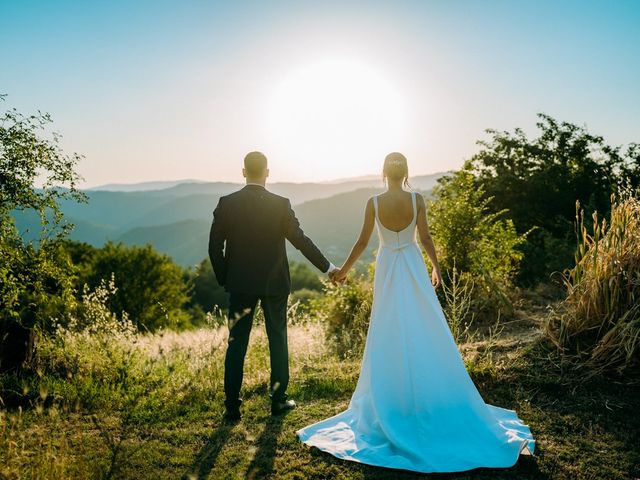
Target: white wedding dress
415,406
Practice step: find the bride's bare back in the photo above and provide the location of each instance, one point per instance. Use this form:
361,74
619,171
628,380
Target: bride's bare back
395,213
395,210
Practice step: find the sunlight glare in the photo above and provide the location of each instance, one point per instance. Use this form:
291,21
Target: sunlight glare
334,118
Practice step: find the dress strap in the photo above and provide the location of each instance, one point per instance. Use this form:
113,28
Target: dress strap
413,202
375,205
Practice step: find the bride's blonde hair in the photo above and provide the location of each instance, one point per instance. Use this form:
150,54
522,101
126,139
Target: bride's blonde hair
396,168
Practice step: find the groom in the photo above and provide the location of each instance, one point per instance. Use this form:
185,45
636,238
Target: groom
248,255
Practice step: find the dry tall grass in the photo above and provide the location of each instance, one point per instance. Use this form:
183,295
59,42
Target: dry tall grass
599,327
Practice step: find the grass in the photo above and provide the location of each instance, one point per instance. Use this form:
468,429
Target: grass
153,409
599,324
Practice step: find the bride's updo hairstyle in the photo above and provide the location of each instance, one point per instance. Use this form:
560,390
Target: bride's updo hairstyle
395,167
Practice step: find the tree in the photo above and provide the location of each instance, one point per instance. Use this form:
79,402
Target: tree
151,287
34,281
302,277
539,181
207,294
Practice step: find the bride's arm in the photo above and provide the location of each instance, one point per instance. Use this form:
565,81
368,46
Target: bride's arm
361,243
427,241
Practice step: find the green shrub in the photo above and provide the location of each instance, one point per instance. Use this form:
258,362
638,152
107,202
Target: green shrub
207,299
98,359
345,310
480,244
305,297
302,277
458,292
151,288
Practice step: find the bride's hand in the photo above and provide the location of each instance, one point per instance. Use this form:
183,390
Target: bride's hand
341,275
436,278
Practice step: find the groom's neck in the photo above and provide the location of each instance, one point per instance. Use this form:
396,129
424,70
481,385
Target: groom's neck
257,181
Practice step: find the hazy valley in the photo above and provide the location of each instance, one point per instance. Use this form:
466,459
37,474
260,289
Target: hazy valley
175,217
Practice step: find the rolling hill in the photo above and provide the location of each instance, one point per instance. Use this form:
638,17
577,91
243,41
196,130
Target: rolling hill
176,219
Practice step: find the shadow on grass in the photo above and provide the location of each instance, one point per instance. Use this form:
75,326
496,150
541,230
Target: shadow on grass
608,403
206,458
262,464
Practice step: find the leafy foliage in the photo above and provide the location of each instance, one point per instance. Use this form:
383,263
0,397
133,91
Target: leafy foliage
302,277
26,158
305,297
540,179
345,311
151,288
480,244
206,295
34,280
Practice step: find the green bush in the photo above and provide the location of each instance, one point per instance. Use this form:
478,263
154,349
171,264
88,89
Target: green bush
345,310
480,244
206,292
302,277
151,288
458,291
305,297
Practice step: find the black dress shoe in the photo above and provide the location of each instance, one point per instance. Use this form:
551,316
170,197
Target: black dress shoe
278,408
232,415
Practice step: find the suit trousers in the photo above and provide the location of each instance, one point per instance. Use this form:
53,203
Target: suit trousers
241,312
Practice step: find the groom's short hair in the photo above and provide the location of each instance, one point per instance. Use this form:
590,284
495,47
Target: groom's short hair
255,164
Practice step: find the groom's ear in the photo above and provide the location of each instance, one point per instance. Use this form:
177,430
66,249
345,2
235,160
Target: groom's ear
266,174
244,173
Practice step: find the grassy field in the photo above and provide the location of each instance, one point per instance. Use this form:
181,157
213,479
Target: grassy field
130,406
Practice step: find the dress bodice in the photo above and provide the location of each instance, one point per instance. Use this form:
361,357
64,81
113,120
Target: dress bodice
396,240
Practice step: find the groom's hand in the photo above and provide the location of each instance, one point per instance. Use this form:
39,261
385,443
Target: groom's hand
340,276
331,272
333,276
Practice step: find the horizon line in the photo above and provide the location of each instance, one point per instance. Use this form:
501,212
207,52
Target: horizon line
195,180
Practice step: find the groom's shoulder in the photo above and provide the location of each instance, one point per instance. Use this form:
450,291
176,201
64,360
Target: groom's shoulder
237,195
274,197
278,198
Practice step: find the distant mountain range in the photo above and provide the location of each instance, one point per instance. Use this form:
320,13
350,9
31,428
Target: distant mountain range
175,217
142,186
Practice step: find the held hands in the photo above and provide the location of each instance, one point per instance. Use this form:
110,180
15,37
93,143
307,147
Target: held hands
339,275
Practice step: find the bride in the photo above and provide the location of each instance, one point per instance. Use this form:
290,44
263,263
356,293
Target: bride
415,406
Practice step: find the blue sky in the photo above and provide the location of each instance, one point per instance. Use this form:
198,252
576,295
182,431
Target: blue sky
156,90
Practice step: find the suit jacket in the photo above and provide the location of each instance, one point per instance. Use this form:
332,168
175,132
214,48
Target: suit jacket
247,242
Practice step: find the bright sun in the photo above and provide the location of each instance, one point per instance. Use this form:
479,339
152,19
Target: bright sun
334,118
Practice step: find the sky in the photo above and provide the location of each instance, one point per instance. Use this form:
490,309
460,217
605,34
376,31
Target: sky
156,90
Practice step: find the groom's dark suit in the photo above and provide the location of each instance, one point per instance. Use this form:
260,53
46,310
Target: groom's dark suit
248,255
